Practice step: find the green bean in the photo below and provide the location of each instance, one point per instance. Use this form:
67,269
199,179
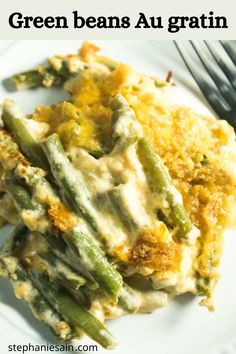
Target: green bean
50,264
14,121
8,210
130,299
36,182
95,261
60,271
73,188
42,76
64,253
60,256
122,208
125,128
19,194
56,72
23,287
161,184
71,185
71,311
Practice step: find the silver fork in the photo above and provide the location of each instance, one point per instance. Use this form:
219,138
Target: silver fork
218,81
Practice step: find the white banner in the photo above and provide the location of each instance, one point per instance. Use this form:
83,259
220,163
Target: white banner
103,19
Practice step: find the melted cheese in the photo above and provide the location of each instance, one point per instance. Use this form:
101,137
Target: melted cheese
101,176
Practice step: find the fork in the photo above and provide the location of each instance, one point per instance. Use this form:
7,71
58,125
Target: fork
217,80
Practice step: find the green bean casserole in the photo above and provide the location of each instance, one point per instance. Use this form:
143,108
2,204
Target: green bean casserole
119,197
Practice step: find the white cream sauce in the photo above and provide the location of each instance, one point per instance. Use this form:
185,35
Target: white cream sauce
102,175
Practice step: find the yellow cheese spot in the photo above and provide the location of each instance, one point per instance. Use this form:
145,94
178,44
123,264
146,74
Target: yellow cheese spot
22,290
62,217
63,329
88,49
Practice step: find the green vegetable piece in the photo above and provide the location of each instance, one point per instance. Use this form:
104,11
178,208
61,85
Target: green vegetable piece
72,311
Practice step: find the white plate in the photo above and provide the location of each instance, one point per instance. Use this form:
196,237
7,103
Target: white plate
181,328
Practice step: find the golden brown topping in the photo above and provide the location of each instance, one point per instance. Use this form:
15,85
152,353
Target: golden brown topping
9,151
150,251
122,252
62,217
88,49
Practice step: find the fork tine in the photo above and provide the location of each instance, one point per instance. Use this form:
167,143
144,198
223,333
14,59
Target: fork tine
210,93
222,85
230,49
229,71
